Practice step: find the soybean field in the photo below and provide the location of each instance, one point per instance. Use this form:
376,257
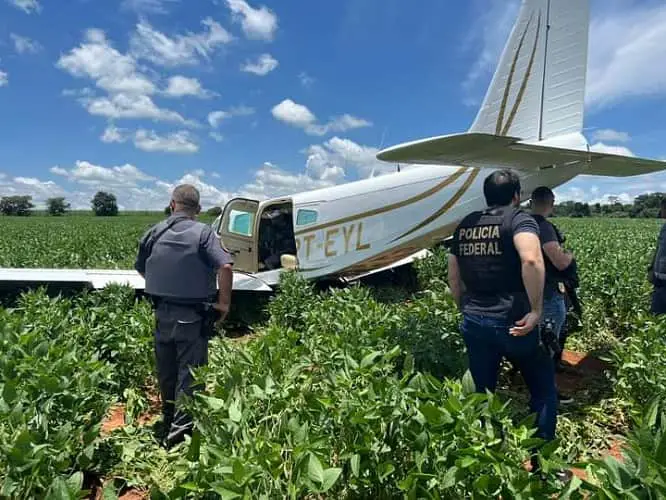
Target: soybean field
359,392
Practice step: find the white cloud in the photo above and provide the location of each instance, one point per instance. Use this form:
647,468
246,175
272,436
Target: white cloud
305,79
112,71
114,134
27,6
610,135
150,141
627,45
152,45
4,78
300,116
264,64
87,173
129,106
217,137
270,181
293,114
177,142
39,190
344,153
180,86
148,6
601,147
257,24
24,45
215,118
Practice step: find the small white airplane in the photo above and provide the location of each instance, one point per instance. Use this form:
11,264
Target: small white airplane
531,120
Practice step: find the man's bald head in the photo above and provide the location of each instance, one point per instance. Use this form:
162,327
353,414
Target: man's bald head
185,198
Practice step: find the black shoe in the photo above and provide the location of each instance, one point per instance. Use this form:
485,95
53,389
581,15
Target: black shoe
564,399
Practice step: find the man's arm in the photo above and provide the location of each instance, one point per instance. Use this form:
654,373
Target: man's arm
455,282
225,279
142,255
220,260
528,246
560,259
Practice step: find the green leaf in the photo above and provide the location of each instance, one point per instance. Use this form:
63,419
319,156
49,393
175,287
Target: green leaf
330,477
355,464
468,384
58,490
195,447
75,481
234,412
315,470
224,492
214,404
370,359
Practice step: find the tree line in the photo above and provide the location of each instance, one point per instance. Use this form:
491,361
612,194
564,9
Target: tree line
644,206
103,204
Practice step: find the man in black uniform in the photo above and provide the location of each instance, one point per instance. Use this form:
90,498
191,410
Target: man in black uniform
180,260
557,263
657,270
496,275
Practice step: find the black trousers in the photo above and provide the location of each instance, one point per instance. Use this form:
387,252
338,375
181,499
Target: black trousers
179,345
658,305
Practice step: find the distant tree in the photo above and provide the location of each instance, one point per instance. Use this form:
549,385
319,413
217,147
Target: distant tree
16,205
167,210
214,212
104,204
57,206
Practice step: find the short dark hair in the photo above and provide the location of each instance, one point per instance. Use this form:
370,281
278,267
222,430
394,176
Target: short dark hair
500,187
542,195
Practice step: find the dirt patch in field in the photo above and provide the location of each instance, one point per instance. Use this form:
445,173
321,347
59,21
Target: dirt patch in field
615,450
580,372
115,418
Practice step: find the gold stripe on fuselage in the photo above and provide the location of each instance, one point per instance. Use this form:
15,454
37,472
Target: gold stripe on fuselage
446,207
376,211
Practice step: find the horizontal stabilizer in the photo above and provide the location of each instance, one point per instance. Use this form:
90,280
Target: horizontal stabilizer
101,278
494,151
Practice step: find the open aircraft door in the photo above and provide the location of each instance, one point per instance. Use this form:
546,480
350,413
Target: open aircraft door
239,233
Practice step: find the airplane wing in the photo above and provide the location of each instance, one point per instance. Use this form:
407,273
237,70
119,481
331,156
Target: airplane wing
100,278
494,151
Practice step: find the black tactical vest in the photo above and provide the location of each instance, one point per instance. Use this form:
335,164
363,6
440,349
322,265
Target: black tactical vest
176,268
490,265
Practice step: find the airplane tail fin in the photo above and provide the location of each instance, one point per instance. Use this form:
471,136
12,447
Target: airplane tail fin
538,89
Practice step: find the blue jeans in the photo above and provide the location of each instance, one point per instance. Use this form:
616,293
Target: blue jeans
488,341
555,309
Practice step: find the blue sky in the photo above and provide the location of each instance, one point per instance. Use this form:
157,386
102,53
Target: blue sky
264,98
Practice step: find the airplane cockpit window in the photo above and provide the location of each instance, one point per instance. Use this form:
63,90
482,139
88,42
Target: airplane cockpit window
306,217
241,222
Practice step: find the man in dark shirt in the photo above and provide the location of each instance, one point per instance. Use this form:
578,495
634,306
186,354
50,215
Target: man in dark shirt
556,261
184,264
657,269
496,276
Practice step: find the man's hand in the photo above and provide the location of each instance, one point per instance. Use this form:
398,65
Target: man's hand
525,325
223,309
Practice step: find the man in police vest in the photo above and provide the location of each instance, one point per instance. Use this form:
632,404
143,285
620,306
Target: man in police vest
657,269
557,262
183,263
496,275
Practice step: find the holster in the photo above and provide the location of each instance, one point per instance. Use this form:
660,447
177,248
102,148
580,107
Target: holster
209,316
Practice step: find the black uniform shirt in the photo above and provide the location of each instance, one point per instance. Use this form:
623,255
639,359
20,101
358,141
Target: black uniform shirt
547,234
499,305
